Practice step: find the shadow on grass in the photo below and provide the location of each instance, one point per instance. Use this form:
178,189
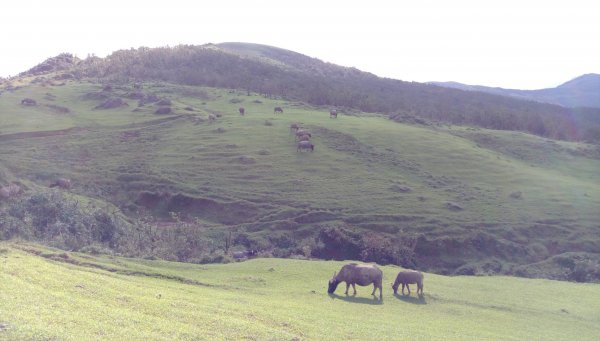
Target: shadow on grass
420,299
374,300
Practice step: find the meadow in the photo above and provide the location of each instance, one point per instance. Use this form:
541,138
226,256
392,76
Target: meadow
51,294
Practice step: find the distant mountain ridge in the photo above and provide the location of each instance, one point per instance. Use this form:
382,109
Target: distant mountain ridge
583,91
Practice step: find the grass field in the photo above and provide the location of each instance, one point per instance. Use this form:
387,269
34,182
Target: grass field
47,294
366,171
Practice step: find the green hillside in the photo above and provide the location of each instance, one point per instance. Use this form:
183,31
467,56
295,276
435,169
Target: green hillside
51,294
440,197
276,72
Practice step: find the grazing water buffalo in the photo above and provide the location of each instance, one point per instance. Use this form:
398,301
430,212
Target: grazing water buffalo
409,277
294,127
62,183
361,274
333,113
304,138
301,132
212,117
242,111
305,145
278,110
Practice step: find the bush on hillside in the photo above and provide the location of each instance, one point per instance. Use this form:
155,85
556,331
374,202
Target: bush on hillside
111,103
338,243
54,219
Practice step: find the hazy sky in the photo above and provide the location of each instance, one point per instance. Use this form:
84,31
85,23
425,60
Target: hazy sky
509,43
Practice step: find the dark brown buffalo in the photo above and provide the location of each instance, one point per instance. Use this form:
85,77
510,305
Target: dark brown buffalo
242,111
301,132
305,145
333,113
304,138
278,110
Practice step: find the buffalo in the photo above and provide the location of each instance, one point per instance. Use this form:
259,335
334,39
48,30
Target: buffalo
304,138
301,132
333,113
409,277
278,110
305,145
242,111
361,274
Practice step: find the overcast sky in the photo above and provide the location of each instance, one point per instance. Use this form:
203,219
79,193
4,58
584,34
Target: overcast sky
509,43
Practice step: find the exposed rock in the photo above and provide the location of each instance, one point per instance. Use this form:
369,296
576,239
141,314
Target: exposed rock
401,188
452,206
516,195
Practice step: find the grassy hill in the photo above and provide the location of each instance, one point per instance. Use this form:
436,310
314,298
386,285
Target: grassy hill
463,200
51,294
282,73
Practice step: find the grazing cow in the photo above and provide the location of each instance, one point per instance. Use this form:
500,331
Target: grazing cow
278,110
242,111
294,127
241,255
333,113
62,183
305,145
301,132
212,117
361,274
409,277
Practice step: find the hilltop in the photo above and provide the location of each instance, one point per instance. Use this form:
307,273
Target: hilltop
582,91
277,72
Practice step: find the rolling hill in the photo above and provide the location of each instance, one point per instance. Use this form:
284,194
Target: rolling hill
180,186
277,72
583,91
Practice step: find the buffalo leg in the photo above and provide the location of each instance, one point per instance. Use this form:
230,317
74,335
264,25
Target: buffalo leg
354,287
347,287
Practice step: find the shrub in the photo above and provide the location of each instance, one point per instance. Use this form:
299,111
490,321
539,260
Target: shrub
163,111
338,243
59,221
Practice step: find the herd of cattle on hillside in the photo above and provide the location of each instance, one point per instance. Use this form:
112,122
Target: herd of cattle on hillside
303,136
